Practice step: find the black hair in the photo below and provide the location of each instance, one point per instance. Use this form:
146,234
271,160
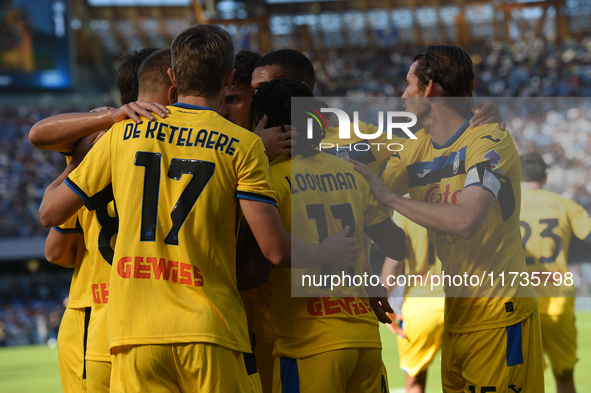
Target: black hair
451,67
274,100
294,65
244,65
127,74
533,167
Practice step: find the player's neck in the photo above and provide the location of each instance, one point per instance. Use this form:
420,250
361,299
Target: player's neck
158,98
530,185
442,123
208,102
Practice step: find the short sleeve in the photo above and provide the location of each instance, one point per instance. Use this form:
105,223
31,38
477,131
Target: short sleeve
91,180
579,220
254,179
487,160
72,225
493,165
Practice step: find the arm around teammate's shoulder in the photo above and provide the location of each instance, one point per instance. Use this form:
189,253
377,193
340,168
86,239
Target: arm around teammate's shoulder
62,132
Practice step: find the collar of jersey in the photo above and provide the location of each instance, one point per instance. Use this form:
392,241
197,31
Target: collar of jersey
455,137
193,107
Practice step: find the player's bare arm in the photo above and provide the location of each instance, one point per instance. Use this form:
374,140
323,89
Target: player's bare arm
59,201
391,267
252,268
60,248
378,300
392,241
276,242
62,132
463,219
390,238
277,140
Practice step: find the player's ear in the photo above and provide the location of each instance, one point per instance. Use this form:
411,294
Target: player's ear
170,73
229,77
430,89
304,83
173,95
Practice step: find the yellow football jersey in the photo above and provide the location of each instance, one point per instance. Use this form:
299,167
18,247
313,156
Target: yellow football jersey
484,157
375,156
79,296
317,197
100,232
176,182
548,222
420,263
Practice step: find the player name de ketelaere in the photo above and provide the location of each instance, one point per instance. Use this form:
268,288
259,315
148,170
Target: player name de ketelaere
181,136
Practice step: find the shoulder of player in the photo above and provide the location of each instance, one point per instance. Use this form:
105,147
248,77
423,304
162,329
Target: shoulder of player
492,143
280,166
488,133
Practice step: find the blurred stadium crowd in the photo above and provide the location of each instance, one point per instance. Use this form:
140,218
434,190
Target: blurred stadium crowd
31,307
532,68
559,129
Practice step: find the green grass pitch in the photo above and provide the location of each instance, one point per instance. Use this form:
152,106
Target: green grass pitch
34,369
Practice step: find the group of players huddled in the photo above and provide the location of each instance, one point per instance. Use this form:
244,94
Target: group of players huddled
186,221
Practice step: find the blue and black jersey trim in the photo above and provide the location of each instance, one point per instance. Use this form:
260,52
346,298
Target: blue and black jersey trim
378,225
588,238
251,196
101,199
430,172
192,107
77,229
456,136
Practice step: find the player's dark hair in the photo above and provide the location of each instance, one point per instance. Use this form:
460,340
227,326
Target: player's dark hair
127,74
533,167
244,63
294,65
202,55
274,100
152,74
451,67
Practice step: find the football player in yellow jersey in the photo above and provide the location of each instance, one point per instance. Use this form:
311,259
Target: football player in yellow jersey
323,343
421,333
102,224
548,222
464,188
61,133
293,65
182,263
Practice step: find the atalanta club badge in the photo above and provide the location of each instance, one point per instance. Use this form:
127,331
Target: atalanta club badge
341,153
